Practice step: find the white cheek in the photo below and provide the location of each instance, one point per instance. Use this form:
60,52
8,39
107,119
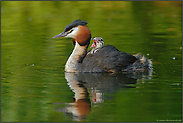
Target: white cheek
73,33
70,35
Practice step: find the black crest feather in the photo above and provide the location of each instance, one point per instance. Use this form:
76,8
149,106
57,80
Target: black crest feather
74,24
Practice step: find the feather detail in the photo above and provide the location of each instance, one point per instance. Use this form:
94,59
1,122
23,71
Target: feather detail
73,41
84,36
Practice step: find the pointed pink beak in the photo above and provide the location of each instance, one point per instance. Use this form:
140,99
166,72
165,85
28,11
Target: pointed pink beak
60,35
94,43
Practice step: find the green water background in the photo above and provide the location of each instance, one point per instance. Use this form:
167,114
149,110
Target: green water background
32,63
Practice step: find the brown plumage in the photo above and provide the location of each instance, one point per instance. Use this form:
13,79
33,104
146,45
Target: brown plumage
83,36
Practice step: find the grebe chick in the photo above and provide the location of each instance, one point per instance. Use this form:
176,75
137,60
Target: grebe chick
97,45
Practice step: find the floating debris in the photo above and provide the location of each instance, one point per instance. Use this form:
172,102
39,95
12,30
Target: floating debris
175,84
30,19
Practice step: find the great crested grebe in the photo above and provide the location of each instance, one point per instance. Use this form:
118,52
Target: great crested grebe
107,59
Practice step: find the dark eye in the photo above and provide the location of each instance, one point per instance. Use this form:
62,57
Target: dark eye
70,31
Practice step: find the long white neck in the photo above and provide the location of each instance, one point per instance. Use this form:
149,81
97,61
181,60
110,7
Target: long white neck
74,63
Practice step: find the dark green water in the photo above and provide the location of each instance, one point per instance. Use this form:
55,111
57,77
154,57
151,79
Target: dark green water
34,87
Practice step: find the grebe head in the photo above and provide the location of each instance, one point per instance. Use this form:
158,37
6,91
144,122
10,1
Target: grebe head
98,42
78,31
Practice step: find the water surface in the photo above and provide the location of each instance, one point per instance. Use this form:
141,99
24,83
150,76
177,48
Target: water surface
35,88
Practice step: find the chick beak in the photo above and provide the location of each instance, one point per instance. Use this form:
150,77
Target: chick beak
60,35
94,43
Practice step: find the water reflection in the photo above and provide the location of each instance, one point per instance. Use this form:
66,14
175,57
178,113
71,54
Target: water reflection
96,84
